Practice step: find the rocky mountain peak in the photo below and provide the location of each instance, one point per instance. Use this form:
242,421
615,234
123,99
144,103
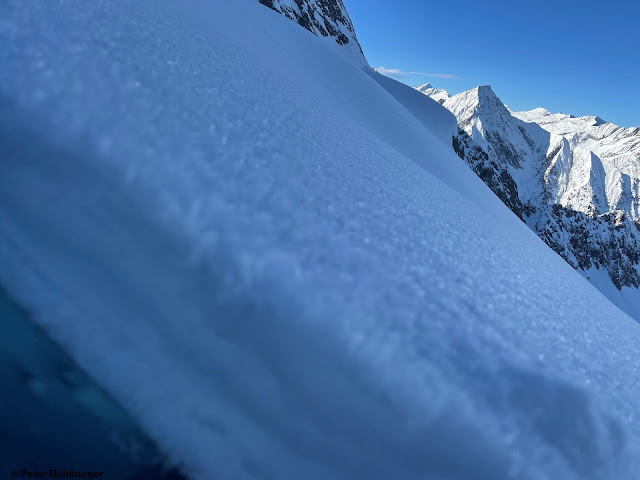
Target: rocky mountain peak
424,87
598,121
479,103
488,99
325,18
574,180
485,91
438,94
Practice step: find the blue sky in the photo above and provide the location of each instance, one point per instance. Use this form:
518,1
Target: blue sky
567,56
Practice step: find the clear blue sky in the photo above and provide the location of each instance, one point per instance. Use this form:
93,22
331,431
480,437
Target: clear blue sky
579,57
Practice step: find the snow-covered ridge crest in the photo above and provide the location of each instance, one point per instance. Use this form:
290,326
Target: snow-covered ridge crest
617,148
325,18
440,95
596,154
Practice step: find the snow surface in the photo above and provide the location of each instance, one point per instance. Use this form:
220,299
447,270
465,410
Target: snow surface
293,281
437,120
627,298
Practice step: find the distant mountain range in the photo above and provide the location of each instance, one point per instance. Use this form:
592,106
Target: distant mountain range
574,181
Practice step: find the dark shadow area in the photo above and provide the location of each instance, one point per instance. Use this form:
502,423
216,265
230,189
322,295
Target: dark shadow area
53,416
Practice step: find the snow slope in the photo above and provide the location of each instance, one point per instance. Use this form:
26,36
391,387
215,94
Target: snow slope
295,281
437,120
625,298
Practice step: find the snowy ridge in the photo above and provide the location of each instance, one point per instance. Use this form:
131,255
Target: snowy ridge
574,181
617,148
334,298
326,18
486,119
438,94
584,152
435,119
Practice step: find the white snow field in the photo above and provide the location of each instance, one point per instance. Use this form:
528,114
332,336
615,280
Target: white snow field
277,268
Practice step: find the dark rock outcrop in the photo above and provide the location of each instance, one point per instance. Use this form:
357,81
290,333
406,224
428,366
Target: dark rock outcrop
496,177
327,18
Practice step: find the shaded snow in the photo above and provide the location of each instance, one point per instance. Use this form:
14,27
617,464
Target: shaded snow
293,281
437,120
48,404
627,298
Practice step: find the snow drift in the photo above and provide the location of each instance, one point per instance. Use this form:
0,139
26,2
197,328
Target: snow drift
275,265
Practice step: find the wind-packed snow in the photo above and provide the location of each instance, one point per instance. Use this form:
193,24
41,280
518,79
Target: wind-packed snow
269,260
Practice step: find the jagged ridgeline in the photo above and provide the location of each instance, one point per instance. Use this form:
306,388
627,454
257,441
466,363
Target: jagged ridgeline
326,18
574,181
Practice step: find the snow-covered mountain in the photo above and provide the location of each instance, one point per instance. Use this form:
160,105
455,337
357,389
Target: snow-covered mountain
438,94
274,262
325,18
611,149
574,181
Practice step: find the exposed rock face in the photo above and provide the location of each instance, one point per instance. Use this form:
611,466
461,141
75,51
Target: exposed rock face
497,178
326,18
609,241
574,181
